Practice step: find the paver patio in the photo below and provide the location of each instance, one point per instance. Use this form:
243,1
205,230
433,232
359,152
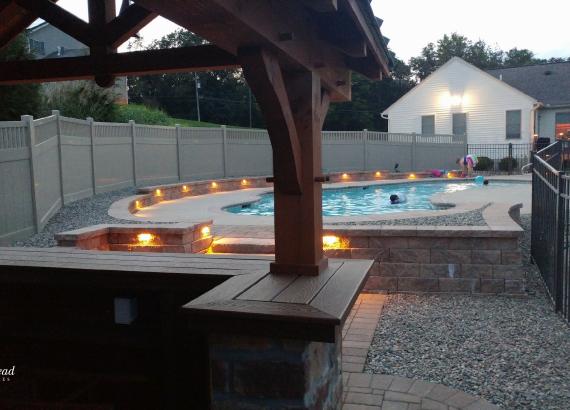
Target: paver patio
364,391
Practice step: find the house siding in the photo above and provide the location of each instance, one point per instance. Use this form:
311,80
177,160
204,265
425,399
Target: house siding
53,38
484,100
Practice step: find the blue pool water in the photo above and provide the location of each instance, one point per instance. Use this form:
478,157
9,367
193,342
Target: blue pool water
374,199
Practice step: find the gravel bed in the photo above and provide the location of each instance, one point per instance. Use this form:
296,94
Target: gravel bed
512,351
471,218
79,214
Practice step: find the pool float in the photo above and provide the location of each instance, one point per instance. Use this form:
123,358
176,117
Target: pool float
479,180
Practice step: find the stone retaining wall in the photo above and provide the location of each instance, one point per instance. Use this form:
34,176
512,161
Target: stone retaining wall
474,259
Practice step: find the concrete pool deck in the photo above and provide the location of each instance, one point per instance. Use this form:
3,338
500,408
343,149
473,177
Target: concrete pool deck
211,206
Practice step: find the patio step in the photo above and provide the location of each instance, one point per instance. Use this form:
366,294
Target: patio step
244,245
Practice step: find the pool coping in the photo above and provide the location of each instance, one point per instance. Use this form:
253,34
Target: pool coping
495,214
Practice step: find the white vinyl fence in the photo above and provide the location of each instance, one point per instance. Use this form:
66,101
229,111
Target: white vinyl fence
51,161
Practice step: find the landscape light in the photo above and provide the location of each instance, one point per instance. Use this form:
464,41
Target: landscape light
412,176
377,174
185,188
344,176
145,239
244,181
214,184
158,192
331,242
137,204
205,231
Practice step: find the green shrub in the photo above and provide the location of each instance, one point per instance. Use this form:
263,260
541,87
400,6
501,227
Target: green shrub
81,100
484,164
504,164
142,115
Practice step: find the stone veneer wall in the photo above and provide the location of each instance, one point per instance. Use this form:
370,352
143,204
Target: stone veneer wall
437,259
253,373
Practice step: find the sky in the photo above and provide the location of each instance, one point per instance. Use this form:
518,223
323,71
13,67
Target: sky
540,27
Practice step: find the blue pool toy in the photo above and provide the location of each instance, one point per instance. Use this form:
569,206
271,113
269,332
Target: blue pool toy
479,179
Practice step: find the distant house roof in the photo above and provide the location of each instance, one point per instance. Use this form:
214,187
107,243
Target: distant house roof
548,83
64,53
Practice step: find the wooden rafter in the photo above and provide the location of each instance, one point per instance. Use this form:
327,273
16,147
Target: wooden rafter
127,24
60,18
264,76
262,22
322,6
198,58
14,20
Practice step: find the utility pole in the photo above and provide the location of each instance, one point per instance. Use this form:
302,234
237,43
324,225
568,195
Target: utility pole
197,87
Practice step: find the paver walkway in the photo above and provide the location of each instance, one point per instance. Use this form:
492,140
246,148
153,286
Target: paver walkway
364,391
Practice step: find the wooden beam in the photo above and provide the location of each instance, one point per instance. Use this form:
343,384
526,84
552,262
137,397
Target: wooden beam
199,58
14,20
264,76
322,6
127,24
101,12
232,24
60,18
354,10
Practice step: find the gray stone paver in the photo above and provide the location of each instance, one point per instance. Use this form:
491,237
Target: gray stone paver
364,391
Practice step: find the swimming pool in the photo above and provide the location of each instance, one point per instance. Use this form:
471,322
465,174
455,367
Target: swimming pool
372,199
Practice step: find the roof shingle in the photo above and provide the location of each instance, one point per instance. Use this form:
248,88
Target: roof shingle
548,83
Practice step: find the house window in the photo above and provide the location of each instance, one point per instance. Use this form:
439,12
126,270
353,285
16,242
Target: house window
459,124
513,124
37,47
428,124
562,130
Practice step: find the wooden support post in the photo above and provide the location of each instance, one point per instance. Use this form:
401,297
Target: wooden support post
101,12
294,105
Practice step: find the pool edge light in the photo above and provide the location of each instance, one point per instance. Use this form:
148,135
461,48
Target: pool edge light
145,238
331,242
205,231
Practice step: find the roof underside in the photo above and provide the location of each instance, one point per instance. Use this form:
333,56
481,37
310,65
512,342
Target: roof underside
548,83
228,25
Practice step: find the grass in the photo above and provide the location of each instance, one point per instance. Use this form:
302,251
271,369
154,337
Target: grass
142,114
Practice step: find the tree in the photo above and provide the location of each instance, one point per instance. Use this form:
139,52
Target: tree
434,56
515,57
20,99
224,95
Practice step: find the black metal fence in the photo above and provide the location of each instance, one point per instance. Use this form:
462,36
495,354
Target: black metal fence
550,222
501,158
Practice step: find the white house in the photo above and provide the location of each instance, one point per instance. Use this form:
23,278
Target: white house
459,98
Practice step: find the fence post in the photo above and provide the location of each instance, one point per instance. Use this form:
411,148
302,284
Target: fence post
364,147
59,153
28,121
178,151
93,167
225,150
510,160
559,245
134,151
413,149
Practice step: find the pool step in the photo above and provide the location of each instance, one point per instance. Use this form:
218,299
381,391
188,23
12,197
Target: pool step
244,245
